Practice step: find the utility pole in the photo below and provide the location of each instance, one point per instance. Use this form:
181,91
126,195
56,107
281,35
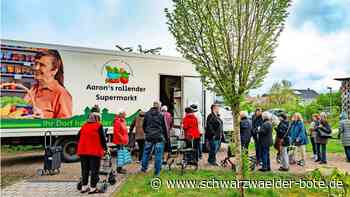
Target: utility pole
330,99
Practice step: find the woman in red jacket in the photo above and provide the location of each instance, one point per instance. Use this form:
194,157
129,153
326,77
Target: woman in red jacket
91,146
120,133
192,134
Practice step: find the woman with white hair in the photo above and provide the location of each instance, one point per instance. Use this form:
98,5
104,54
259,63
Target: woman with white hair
265,139
299,136
120,134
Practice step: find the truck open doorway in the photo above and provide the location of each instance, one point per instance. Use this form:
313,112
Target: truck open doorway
170,95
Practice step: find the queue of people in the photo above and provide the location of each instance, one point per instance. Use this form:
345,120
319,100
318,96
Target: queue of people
291,138
154,128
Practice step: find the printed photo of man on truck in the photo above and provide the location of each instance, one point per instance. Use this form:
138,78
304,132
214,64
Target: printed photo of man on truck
48,96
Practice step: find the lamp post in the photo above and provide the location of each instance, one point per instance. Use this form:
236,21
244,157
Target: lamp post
330,99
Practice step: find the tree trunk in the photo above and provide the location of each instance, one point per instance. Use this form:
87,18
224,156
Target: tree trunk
236,139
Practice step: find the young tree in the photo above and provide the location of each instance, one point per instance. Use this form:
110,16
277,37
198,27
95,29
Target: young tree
281,93
231,43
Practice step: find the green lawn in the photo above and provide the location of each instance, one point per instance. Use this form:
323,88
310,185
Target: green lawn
333,146
139,185
15,149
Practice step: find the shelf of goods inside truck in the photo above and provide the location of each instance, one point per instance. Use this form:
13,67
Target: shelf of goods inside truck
16,75
26,63
13,90
23,49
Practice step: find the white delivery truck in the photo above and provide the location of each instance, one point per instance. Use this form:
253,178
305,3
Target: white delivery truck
82,77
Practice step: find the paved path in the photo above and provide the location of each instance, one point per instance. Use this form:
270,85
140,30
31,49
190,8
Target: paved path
64,184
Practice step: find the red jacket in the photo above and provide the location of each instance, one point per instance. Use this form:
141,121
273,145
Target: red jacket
120,131
190,126
89,140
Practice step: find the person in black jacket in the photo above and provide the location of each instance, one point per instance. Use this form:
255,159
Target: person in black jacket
265,139
245,130
155,136
214,133
257,121
282,132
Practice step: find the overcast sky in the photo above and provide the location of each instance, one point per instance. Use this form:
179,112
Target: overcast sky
314,48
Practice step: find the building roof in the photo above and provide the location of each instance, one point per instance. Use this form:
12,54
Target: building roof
305,93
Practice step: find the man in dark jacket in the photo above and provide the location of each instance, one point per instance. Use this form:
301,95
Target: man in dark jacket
265,139
155,136
214,133
245,130
257,121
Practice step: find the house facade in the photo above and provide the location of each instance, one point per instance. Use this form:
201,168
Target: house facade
306,95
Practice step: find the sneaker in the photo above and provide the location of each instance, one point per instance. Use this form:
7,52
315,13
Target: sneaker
263,169
94,191
323,162
301,163
84,189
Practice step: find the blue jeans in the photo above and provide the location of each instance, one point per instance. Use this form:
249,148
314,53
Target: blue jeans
200,148
265,153
257,149
214,146
347,152
158,151
321,152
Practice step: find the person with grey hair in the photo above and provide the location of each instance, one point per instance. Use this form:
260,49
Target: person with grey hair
265,139
245,130
344,132
91,142
213,133
169,125
155,130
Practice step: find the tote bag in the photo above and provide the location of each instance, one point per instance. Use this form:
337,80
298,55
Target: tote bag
123,157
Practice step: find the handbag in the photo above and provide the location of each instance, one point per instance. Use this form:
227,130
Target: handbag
286,139
123,157
323,133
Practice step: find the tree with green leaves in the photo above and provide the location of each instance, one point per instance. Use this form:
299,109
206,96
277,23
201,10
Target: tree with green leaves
281,93
231,43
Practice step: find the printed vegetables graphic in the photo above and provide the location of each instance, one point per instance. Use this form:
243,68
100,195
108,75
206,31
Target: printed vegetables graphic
14,107
117,74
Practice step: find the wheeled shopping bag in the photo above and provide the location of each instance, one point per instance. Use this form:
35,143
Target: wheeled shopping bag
52,157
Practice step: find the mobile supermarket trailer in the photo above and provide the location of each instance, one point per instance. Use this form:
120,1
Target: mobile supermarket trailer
82,77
